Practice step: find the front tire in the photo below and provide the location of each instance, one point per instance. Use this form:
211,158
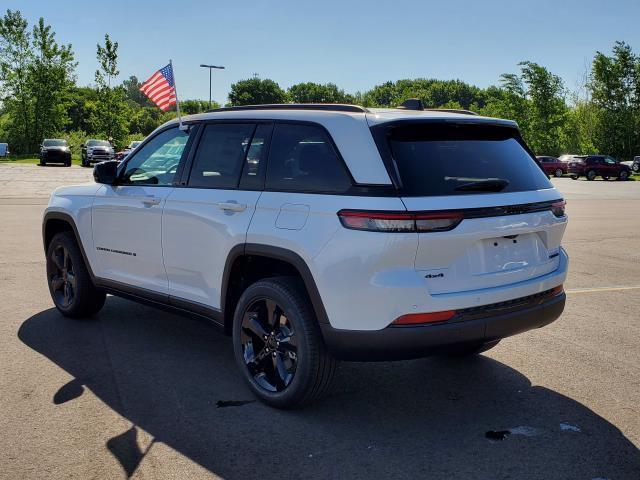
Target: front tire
278,345
624,175
558,172
591,175
70,285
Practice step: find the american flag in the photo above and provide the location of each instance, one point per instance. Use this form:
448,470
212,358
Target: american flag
161,88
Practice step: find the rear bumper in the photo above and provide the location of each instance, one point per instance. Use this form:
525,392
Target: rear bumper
397,343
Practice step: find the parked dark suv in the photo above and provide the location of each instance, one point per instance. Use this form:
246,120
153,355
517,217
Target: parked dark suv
592,166
553,166
55,150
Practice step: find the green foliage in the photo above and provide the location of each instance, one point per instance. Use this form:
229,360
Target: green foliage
50,81
615,89
433,93
310,92
16,55
255,91
112,111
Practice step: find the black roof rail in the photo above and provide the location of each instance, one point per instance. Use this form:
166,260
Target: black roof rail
332,107
451,110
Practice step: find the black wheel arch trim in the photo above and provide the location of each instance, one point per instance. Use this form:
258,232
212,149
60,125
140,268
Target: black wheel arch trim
53,215
276,253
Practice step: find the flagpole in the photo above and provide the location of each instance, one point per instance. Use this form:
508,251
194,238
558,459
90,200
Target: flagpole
175,87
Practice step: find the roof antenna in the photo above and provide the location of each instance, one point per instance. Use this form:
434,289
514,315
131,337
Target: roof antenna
412,104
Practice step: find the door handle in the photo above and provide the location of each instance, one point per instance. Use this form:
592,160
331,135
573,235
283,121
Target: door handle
232,206
151,201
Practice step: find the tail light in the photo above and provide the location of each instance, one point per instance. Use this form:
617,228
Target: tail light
399,221
557,208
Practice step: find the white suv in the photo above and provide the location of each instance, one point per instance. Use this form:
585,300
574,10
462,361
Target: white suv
312,233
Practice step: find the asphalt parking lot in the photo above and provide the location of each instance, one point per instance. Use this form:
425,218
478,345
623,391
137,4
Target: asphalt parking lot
142,393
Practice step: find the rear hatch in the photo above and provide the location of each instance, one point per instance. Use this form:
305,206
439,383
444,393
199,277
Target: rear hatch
576,164
500,221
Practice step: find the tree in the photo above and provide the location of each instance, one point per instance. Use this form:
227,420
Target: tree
615,88
433,93
535,100
110,118
133,94
50,81
255,91
15,57
547,109
310,92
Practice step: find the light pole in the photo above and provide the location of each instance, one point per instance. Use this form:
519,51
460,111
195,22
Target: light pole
210,67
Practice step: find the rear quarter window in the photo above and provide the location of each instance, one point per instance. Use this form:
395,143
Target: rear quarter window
444,159
302,158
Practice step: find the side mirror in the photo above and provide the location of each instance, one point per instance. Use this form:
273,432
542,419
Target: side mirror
106,172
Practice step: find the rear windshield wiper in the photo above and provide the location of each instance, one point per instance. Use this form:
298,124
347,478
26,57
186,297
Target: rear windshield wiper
488,185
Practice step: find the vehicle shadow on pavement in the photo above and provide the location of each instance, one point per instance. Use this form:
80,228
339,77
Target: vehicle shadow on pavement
176,379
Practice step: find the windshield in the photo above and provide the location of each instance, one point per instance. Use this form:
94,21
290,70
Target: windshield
458,159
98,143
55,143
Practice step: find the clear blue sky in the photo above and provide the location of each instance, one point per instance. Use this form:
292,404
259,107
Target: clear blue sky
355,44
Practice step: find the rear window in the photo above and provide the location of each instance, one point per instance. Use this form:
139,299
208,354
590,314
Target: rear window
453,159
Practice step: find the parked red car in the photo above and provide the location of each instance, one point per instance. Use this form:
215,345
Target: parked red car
592,166
553,166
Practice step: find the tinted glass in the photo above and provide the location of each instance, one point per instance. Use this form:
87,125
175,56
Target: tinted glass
302,158
221,151
98,143
55,143
157,161
254,164
435,159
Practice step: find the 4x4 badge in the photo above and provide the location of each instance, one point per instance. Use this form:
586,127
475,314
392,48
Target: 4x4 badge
434,275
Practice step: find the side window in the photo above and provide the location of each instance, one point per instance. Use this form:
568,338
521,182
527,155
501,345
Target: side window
220,155
303,159
156,162
610,161
256,159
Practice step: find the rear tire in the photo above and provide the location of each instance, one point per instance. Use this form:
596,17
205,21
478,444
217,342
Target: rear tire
278,345
70,285
558,172
635,167
624,175
473,349
591,175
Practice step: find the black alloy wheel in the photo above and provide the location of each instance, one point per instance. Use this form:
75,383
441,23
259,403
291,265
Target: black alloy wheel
72,290
62,277
269,345
278,345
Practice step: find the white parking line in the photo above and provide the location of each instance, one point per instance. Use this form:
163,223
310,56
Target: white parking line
602,289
